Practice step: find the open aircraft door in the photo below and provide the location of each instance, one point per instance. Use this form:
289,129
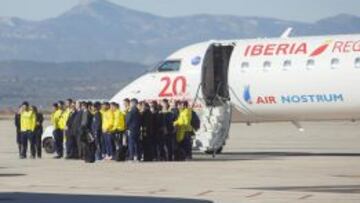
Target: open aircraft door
216,114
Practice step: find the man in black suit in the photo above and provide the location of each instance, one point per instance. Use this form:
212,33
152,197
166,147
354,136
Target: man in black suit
38,131
18,128
96,128
133,123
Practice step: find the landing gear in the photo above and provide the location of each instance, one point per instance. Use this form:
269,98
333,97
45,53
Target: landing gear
49,145
218,151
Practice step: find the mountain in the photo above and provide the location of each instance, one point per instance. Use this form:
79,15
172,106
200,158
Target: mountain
42,83
100,30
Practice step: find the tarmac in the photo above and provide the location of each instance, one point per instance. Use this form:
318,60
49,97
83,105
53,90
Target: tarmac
271,162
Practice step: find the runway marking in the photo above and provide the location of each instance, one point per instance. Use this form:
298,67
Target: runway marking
305,197
156,191
351,189
204,193
82,187
254,195
53,186
347,176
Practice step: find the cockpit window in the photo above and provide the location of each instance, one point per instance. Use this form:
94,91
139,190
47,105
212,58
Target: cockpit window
167,66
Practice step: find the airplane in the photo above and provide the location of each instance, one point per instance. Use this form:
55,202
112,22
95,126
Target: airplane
290,79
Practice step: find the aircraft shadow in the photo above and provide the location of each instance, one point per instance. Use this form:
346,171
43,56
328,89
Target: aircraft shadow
351,189
248,156
11,174
60,198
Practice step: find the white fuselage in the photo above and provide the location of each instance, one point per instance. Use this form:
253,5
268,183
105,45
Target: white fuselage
296,79
282,79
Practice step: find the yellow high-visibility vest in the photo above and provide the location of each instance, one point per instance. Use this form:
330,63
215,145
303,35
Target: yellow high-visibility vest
27,121
56,119
64,118
107,121
119,121
183,124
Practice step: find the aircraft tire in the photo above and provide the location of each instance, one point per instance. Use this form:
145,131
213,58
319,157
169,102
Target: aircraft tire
49,145
218,151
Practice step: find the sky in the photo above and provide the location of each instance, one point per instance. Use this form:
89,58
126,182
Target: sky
298,10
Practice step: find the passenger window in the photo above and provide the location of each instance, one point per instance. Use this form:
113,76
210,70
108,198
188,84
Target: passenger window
357,63
287,64
244,66
267,64
310,64
335,63
168,66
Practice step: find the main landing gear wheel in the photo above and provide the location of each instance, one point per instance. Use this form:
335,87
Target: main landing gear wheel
49,145
218,151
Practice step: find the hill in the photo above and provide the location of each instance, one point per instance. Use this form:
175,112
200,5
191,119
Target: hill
100,30
42,83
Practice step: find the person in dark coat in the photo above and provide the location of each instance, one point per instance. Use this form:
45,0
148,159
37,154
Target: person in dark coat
141,107
18,129
73,125
161,134
133,123
86,136
154,129
174,108
170,135
146,133
96,126
38,131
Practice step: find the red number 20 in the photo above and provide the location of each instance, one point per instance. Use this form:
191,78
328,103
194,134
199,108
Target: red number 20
173,91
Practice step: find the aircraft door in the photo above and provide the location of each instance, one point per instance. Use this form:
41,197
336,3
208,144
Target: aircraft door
215,73
216,116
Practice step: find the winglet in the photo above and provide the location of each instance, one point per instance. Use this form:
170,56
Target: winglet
286,33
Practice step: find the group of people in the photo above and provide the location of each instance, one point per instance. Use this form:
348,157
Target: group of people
141,131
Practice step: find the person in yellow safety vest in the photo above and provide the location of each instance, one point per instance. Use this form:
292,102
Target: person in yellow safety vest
27,128
118,131
107,130
66,114
183,122
56,121
119,118
184,129
62,122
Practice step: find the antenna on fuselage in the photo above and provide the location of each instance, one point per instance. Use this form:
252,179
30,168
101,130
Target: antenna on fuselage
286,33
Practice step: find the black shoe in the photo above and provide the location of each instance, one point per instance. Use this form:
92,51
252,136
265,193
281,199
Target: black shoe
58,157
69,157
22,157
